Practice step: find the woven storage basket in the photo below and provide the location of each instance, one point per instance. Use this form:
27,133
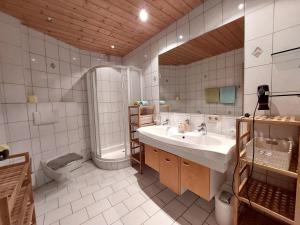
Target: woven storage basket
271,152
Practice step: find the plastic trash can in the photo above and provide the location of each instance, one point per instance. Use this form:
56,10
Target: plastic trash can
223,206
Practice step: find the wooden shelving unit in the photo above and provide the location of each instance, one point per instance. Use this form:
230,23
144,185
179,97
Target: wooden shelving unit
280,204
139,116
16,197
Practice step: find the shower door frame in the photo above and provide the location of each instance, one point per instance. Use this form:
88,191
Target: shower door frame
93,107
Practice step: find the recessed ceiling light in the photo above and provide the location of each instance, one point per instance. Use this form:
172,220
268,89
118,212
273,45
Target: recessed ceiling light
143,15
74,58
112,46
241,6
98,59
49,19
33,59
180,36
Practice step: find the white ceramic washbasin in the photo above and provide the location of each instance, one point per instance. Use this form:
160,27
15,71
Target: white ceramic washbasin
212,150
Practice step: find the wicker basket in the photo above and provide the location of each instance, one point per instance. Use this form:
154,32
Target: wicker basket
271,152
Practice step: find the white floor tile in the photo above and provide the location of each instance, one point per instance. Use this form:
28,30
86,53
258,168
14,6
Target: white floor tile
98,207
120,185
153,205
97,220
74,195
75,218
122,197
118,197
133,188
83,202
89,189
103,193
160,218
195,215
134,201
57,214
135,217
44,207
115,213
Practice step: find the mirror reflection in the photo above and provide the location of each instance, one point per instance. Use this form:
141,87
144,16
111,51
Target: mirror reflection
205,75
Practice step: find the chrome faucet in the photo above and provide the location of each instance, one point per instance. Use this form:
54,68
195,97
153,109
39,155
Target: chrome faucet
202,128
165,122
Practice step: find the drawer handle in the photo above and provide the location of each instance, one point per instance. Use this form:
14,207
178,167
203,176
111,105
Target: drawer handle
155,150
167,160
186,164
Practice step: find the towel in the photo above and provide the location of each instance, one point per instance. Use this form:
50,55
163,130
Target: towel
212,95
227,95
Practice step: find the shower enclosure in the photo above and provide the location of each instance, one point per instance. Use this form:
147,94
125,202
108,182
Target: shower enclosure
110,89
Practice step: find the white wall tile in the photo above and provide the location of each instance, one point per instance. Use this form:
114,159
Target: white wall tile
255,27
197,26
10,34
213,17
263,43
286,14
14,93
51,50
231,10
287,39
18,131
36,46
255,76
12,74
16,112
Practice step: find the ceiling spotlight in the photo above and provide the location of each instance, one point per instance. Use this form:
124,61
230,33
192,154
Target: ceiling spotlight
49,19
74,58
241,6
98,59
143,15
33,59
180,37
112,46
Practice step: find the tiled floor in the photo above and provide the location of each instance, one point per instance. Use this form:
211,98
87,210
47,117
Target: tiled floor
101,197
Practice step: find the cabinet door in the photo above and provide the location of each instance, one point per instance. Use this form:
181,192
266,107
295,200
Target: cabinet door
151,157
195,177
169,170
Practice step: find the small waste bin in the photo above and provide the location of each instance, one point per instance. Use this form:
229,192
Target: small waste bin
223,206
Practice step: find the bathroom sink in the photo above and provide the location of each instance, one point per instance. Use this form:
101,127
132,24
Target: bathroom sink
197,139
212,150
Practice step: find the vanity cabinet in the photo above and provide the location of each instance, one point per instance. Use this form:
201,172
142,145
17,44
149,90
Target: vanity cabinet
180,174
169,170
195,178
152,157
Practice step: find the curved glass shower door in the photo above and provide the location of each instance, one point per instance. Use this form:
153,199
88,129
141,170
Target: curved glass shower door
108,100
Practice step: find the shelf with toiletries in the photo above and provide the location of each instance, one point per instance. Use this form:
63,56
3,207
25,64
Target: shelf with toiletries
139,115
272,200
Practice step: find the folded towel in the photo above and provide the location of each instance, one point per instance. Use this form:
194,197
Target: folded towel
212,95
227,95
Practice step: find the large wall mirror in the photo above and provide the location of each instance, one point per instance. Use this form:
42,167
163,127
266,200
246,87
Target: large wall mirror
205,75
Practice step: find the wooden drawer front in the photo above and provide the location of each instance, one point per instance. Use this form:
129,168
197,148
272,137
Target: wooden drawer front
169,170
152,157
195,177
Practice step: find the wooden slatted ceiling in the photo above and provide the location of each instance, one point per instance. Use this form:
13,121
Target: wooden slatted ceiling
97,24
220,40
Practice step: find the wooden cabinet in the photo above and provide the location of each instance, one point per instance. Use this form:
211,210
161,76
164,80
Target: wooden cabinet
195,178
180,174
169,170
152,157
